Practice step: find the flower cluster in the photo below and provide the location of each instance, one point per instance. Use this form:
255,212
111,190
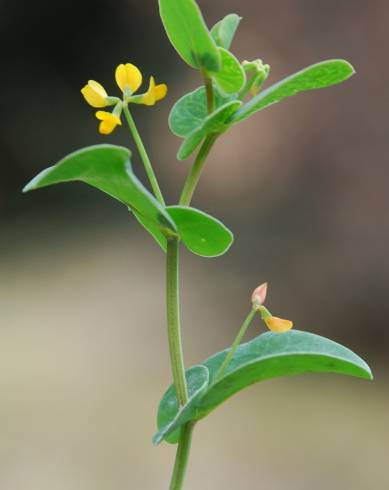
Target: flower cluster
129,79
273,323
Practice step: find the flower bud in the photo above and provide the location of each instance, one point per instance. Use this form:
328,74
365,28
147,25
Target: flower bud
278,325
259,295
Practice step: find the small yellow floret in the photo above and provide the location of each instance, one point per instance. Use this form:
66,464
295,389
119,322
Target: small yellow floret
278,325
154,93
108,122
95,94
128,76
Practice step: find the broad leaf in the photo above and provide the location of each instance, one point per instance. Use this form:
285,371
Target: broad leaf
201,233
215,123
224,31
108,168
170,417
231,77
188,33
189,112
316,76
272,355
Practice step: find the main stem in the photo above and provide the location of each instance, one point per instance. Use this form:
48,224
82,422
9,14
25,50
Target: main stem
182,456
144,156
173,320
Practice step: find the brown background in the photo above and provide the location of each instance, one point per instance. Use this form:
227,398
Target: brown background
303,185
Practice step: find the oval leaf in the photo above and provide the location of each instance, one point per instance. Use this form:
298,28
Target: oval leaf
231,77
217,123
188,33
224,31
272,355
170,416
316,76
108,168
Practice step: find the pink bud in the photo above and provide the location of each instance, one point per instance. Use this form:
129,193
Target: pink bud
259,295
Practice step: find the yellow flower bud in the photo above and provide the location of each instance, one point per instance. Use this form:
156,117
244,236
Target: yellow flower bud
278,325
95,94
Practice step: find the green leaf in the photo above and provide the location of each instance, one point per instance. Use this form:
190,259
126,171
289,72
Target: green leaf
108,168
223,32
216,123
188,33
231,78
201,233
316,76
170,417
189,112
272,355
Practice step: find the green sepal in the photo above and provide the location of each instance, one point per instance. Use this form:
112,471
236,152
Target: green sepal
189,35
268,356
319,75
201,233
223,32
107,168
231,77
170,416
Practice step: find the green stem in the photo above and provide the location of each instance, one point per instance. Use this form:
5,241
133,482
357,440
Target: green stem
173,320
143,154
182,456
209,91
195,172
237,341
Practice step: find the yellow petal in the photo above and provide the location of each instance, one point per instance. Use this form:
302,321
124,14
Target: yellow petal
160,91
149,97
278,325
95,94
108,121
129,76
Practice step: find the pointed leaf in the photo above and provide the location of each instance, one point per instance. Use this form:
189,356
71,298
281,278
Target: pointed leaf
108,168
223,32
231,77
188,33
170,417
316,76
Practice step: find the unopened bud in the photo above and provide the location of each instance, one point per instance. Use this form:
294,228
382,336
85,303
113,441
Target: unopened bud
259,295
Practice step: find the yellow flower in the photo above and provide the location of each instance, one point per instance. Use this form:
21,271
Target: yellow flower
95,94
108,122
154,93
128,77
278,325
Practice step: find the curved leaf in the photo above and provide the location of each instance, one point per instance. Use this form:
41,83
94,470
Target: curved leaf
316,76
231,77
188,33
217,122
223,32
170,417
108,168
189,112
201,233
272,355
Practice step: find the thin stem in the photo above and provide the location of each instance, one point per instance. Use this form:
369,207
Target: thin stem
143,154
195,172
182,456
173,320
210,95
237,341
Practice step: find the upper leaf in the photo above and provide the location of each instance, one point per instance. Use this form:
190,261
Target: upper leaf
108,168
223,32
316,76
201,233
188,33
267,356
231,77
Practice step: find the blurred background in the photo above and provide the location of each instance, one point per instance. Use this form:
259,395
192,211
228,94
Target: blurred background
303,185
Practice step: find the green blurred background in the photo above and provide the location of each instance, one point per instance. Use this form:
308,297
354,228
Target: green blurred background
303,185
